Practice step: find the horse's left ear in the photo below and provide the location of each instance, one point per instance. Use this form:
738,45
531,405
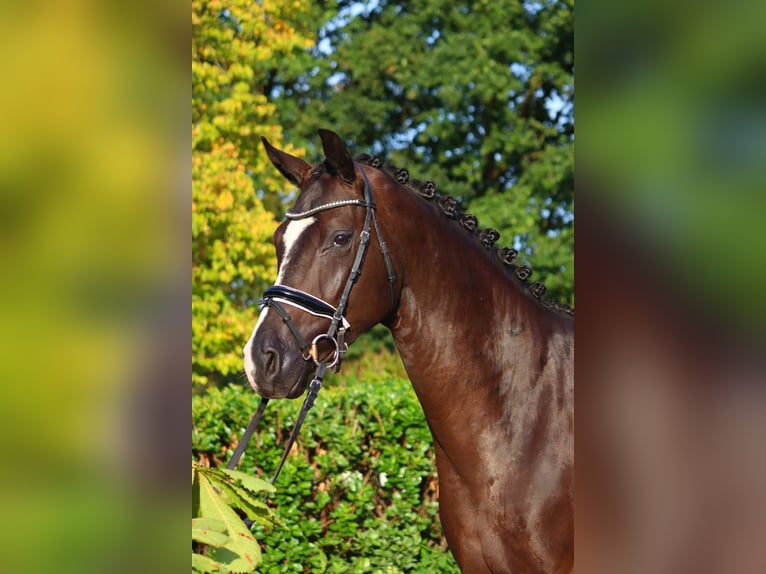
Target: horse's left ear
337,155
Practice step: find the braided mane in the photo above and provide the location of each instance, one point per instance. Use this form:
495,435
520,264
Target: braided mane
450,207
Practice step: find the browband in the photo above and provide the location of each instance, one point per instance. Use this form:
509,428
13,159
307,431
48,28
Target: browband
331,205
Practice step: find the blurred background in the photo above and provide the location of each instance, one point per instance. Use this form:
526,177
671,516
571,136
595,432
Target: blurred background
94,208
671,396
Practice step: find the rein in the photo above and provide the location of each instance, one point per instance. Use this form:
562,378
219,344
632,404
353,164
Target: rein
277,296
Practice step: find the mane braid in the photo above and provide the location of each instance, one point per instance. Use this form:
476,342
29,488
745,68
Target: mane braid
451,207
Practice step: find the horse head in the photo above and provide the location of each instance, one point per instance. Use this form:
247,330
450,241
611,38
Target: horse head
321,300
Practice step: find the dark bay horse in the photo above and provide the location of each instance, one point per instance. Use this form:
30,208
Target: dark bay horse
490,360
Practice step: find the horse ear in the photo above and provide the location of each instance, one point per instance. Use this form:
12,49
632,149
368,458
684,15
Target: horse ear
337,155
290,166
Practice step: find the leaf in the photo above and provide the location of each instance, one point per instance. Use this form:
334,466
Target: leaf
252,483
195,491
202,563
241,552
237,495
209,531
209,524
240,498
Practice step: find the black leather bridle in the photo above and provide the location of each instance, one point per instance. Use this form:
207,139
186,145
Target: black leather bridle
277,296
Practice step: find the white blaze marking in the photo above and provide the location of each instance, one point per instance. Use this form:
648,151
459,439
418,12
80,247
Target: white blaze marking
292,233
249,366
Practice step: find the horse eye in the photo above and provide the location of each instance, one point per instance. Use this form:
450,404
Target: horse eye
341,239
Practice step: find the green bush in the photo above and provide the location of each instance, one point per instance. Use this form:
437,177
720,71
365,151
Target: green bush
358,492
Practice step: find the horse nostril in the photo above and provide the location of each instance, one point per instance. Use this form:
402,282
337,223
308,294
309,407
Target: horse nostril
271,363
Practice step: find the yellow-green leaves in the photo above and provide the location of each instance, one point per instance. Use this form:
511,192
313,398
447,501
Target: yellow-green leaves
235,194
230,547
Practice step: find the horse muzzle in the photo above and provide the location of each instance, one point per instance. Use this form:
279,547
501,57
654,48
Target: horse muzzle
275,371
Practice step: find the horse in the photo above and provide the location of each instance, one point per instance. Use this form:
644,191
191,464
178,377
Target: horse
490,360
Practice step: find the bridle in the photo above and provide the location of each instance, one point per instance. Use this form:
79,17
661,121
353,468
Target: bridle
277,296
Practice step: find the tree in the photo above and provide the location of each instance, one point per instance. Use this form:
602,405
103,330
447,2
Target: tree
235,193
477,96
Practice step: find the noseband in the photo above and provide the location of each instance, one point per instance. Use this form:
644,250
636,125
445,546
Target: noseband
277,296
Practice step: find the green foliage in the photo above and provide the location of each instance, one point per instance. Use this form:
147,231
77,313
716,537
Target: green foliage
233,185
477,96
372,358
228,544
234,47
358,492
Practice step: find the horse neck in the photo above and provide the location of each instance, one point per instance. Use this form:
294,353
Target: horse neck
463,324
